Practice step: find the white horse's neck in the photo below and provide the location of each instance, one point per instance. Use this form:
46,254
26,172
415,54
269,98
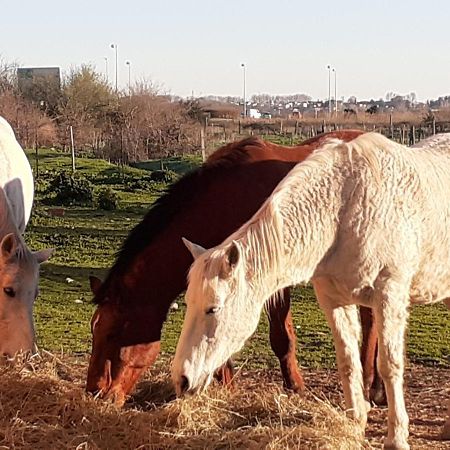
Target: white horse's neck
291,234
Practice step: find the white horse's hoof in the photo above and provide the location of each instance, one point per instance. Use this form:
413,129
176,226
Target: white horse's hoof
395,445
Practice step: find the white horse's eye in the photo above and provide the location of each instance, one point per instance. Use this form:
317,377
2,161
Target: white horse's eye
9,291
212,310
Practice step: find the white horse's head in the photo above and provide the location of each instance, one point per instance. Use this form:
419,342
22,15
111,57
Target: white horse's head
19,275
221,314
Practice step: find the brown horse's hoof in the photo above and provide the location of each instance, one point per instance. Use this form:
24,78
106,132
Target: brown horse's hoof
378,396
294,383
296,388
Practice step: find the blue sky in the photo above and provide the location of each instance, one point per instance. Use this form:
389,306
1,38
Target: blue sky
376,46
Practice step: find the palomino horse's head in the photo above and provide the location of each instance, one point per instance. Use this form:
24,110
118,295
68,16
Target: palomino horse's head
219,316
123,345
19,276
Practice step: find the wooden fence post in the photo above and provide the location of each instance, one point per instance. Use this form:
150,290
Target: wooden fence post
202,144
72,147
412,135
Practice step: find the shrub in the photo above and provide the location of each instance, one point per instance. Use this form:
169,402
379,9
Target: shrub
163,176
69,189
142,184
107,199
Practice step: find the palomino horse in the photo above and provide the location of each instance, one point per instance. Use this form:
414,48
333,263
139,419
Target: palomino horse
150,271
19,267
19,275
369,223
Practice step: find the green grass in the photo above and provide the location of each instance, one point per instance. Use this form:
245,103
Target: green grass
86,240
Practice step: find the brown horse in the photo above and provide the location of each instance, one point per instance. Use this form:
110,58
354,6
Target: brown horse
150,271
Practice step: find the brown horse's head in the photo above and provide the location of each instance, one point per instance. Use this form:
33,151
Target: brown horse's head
122,345
19,275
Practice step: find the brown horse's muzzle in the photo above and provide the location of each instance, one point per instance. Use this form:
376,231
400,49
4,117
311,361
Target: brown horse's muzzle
114,379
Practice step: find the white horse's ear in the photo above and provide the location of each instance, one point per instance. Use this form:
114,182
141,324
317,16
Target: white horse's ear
8,246
42,255
196,250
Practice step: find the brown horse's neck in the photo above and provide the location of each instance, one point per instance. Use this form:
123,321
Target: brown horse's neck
158,273
204,207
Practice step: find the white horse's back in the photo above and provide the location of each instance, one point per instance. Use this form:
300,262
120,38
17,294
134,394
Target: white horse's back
16,177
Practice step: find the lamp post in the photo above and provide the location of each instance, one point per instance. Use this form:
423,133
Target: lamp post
106,69
128,63
114,47
244,106
335,92
329,89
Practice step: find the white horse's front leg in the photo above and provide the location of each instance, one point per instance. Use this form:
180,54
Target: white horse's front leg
391,314
346,328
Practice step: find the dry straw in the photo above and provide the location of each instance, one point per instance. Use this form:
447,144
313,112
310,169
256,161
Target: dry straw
43,406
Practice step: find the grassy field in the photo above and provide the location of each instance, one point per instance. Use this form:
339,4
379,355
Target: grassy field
86,240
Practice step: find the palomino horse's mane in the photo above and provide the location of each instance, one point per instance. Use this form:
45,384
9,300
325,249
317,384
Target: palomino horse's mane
178,197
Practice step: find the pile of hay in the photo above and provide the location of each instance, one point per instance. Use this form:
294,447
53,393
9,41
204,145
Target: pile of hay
43,406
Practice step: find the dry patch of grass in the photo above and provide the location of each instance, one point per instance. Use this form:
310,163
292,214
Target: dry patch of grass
43,406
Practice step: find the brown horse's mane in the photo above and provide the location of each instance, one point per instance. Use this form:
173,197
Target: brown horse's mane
177,196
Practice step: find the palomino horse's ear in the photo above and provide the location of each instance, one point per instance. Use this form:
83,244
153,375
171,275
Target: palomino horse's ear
195,249
8,246
230,261
42,255
95,284
233,255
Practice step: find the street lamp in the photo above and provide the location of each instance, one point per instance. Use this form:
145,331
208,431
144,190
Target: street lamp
106,69
329,89
114,47
245,106
128,63
335,91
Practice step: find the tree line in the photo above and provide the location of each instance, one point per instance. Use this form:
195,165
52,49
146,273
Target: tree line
126,126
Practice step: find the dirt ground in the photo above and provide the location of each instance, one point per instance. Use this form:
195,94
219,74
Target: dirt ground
427,391
44,406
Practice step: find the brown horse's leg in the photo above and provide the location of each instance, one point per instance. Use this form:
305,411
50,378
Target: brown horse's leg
373,384
283,340
225,373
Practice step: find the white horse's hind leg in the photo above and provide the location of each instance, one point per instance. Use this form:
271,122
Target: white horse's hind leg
391,314
346,328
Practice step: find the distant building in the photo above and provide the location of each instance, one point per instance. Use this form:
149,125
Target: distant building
254,113
41,85
29,75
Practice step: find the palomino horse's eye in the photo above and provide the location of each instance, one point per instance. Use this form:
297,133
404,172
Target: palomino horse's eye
9,291
212,310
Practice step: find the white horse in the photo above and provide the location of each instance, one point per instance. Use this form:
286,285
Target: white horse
16,177
19,267
368,222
